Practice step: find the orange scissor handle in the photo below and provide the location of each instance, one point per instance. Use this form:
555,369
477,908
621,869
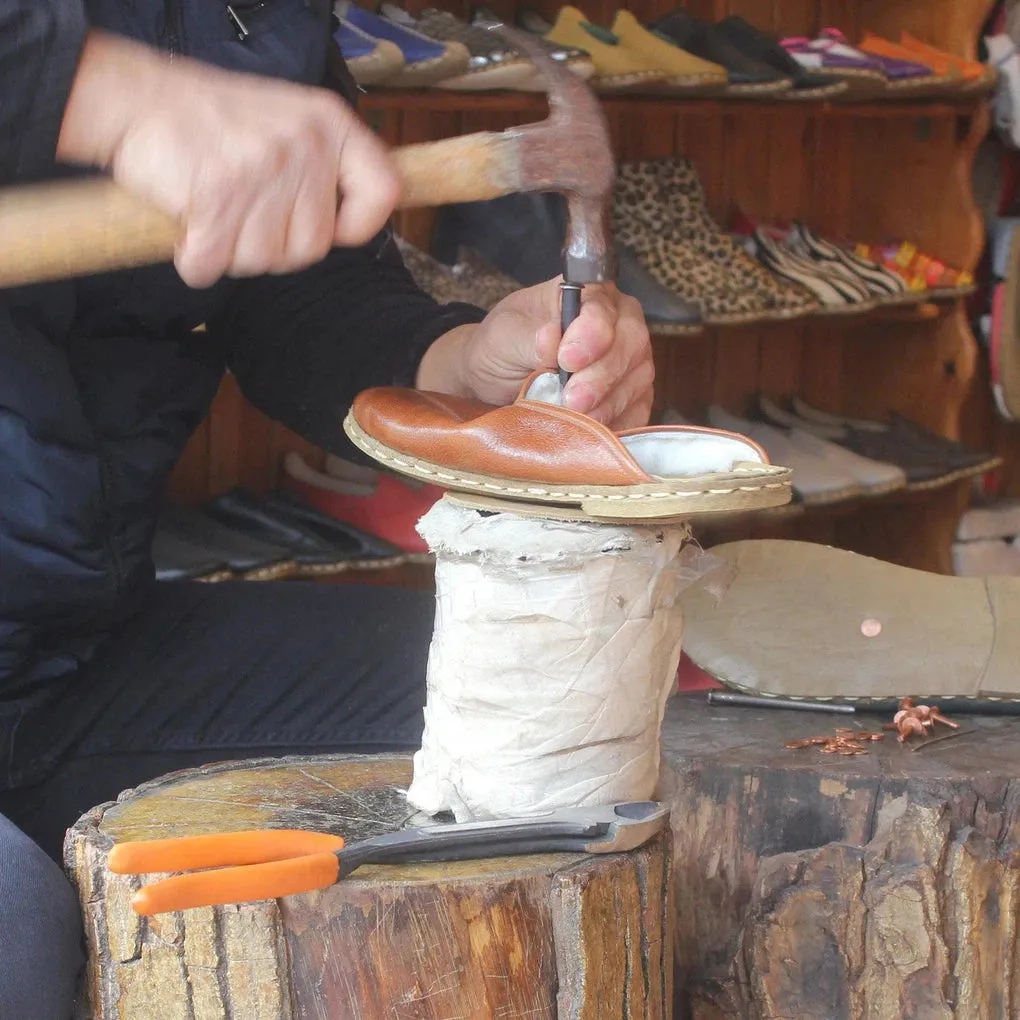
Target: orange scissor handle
226,848
238,885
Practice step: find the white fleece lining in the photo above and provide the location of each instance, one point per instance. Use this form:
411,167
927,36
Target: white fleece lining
675,452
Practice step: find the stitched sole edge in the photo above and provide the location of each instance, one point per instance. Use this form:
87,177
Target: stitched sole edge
856,699
738,490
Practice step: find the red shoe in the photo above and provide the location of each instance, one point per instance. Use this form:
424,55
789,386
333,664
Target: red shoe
379,503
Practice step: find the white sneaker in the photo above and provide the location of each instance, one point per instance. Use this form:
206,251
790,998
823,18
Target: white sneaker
815,480
996,520
987,558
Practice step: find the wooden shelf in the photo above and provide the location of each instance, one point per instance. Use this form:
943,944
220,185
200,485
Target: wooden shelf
440,101
873,170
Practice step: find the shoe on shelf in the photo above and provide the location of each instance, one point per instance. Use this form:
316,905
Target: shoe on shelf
252,559
316,553
571,57
876,478
831,54
665,311
493,63
371,61
176,559
687,73
973,75
747,76
837,292
906,74
929,461
471,279
925,275
505,453
757,45
426,61
617,67
988,557
817,481
642,225
885,286
660,211
374,501
998,519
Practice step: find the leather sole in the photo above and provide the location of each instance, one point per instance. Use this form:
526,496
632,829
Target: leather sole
504,76
426,72
622,82
795,95
801,620
373,68
765,88
756,487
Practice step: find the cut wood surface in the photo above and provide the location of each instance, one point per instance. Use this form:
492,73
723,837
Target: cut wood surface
568,936
815,887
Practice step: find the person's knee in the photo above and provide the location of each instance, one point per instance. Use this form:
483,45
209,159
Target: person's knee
40,932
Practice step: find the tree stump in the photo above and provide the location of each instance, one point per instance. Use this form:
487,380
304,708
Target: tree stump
815,887
573,936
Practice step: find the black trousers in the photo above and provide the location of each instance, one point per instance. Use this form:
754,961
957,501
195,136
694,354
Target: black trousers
202,673
208,672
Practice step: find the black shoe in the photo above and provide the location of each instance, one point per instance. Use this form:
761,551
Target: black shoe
249,558
293,507
316,553
178,560
746,75
758,46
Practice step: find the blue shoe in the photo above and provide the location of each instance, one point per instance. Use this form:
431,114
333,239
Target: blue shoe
370,61
426,61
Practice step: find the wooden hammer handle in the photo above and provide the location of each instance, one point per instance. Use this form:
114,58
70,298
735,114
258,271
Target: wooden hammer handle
57,231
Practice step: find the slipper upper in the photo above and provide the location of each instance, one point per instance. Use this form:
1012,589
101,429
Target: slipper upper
537,439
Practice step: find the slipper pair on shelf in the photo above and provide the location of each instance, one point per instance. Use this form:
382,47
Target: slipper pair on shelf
537,456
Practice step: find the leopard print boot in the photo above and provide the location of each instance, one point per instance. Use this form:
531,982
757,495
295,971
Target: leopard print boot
685,196
639,221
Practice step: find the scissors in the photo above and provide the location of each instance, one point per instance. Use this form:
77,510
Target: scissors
270,863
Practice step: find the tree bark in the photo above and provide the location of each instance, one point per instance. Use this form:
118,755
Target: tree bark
567,936
807,885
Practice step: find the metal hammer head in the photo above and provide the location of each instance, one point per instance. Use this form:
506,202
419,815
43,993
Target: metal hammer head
570,152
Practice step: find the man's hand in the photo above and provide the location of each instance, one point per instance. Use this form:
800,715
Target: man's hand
607,348
254,167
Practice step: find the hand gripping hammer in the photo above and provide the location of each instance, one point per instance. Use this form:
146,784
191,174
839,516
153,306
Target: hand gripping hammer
56,231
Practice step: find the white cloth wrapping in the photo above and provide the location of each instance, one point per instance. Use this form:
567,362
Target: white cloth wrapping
554,651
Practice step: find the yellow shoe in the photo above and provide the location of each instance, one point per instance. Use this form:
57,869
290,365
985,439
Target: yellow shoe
685,70
616,66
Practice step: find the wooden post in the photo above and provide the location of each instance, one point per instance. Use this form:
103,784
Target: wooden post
880,887
566,936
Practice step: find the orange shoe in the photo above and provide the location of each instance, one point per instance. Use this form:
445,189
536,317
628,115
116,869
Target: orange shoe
937,78
970,71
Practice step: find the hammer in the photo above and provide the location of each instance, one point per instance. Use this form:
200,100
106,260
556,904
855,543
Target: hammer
55,231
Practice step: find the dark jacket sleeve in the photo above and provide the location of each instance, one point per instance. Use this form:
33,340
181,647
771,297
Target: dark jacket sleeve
303,346
40,44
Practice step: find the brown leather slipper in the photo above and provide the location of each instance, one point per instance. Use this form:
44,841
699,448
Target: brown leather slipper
537,451
800,620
